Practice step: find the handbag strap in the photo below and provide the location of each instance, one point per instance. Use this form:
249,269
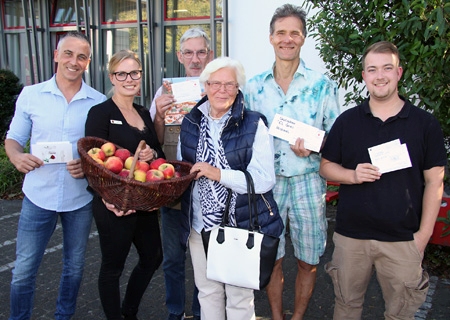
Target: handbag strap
252,207
226,212
252,211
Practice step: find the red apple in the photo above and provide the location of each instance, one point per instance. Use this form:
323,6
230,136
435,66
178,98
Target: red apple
177,174
108,148
156,163
167,169
97,153
124,173
140,175
144,166
154,175
128,162
114,164
123,154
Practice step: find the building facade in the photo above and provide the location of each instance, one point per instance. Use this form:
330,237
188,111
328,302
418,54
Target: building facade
30,30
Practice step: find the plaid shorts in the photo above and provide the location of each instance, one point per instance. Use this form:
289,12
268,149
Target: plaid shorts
302,200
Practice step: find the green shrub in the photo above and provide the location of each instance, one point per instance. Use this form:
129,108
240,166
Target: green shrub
10,178
437,259
421,31
10,87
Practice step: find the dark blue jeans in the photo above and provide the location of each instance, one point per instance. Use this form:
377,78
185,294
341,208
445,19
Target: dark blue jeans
36,226
174,264
116,235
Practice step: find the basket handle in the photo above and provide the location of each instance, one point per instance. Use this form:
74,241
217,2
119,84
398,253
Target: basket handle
140,146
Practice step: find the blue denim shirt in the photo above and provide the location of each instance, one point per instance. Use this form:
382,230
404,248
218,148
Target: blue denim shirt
312,98
44,115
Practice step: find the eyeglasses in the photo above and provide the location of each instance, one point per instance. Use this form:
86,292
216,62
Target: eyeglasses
216,85
122,75
201,54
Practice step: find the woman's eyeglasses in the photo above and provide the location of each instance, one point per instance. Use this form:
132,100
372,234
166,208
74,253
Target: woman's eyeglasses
216,85
122,75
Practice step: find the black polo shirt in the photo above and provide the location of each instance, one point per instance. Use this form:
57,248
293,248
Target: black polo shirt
388,209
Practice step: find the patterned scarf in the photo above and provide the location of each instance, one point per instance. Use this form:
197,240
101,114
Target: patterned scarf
213,195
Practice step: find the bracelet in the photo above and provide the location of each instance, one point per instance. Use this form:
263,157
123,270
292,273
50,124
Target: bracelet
155,154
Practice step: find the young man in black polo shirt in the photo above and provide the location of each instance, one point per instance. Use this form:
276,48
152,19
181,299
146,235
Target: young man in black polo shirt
384,220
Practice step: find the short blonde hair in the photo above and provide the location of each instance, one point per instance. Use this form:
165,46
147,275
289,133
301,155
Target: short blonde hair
120,56
381,47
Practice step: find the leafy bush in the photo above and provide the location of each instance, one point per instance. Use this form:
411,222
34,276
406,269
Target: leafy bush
420,29
10,87
10,178
437,259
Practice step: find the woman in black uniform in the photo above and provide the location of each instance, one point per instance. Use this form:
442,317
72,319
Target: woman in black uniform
125,123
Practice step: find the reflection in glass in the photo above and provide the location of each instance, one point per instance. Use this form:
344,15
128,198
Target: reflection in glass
176,9
64,12
16,44
119,39
14,14
117,10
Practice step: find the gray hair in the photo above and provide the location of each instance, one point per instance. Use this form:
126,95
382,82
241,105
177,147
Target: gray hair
195,33
289,10
74,34
224,62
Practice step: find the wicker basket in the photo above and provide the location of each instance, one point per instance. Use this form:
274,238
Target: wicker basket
126,193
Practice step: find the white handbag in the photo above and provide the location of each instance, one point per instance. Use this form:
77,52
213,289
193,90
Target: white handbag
241,257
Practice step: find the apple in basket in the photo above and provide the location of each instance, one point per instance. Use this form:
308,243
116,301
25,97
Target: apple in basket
140,175
154,175
128,162
97,153
124,173
108,148
156,163
144,166
114,164
123,154
167,169
98,160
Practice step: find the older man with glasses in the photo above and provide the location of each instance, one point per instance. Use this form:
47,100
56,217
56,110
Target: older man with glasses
194,55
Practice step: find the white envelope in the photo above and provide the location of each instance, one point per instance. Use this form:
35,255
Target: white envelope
53,152
189,90
390,156
290,129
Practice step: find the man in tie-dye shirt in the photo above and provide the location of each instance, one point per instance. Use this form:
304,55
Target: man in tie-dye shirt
290,89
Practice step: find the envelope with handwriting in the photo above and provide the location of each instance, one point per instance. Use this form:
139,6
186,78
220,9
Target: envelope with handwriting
390,156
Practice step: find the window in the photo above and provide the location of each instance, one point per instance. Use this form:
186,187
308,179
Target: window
14,17
123,11
189,9
64,12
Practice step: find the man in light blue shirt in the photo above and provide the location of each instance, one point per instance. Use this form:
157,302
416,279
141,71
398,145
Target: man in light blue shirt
52,111
290,89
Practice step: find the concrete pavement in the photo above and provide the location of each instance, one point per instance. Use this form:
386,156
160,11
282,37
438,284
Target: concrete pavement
437,306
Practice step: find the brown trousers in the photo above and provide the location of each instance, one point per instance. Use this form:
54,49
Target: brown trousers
398,267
